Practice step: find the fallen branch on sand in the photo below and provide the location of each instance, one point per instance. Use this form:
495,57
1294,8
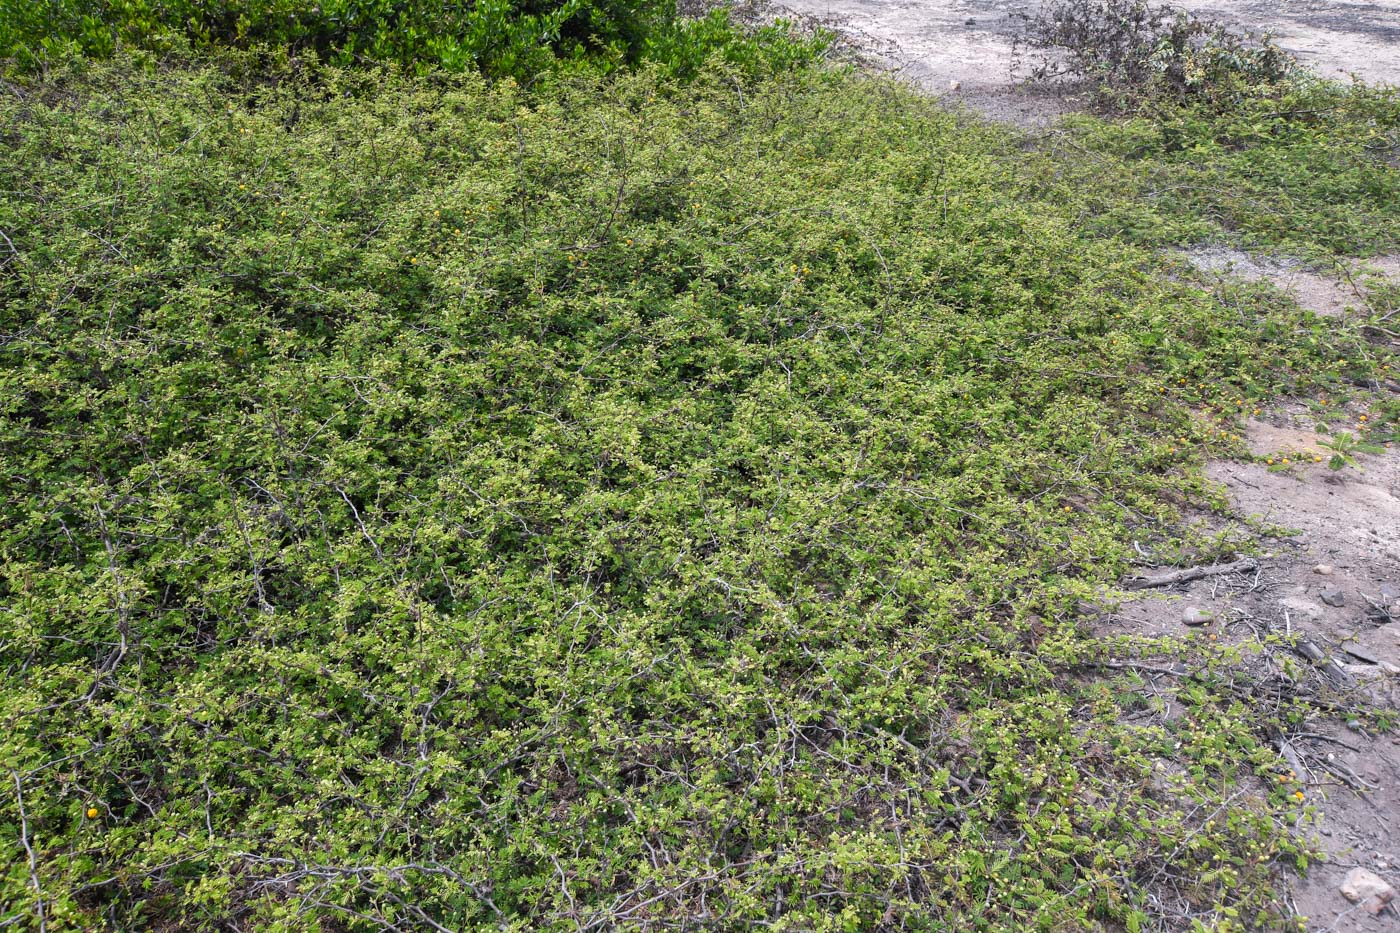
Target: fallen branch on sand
1187,574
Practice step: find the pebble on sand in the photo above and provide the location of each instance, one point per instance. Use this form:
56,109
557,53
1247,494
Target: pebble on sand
1194,616
1367,888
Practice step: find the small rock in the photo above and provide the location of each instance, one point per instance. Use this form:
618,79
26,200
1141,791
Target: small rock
1307,649
1324,570
1362,886
1304,607
1194,616
969,22
1389,592
1361,654
1332,597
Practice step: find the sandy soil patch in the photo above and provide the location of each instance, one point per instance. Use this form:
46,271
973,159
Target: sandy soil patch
1334,584
1335,292
962,49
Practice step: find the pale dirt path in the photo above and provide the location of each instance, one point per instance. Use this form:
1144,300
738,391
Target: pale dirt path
939,42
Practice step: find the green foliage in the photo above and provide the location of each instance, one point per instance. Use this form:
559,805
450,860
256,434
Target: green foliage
597,508
1311,171
1345,447
687,45
520,38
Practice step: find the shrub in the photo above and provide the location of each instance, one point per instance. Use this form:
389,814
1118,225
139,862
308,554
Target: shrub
622,506
1131,51
520,38
756,49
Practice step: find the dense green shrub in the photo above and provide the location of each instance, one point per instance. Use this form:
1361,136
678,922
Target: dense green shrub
499,37
619,506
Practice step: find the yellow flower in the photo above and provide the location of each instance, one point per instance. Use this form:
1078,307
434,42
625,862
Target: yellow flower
92,813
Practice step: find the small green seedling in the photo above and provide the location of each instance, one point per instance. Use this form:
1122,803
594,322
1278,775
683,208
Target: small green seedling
1344,449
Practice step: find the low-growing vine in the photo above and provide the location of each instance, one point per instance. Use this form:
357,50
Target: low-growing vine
627,505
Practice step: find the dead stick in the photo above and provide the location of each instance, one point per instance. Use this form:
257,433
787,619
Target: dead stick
33,864
1186,575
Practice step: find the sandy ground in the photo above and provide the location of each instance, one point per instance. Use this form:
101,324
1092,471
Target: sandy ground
962,49
1334,583
1347,546
1350,523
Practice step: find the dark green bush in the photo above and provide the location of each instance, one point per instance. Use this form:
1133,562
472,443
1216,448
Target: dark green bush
520,38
